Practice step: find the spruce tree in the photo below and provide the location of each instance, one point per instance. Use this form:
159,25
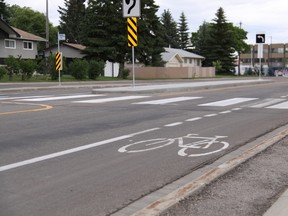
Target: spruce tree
183,31
71,20
221,43
170,32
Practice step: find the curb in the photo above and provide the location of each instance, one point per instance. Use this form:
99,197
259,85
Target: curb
170,195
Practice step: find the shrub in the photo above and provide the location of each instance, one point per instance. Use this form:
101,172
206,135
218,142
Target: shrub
13,66
95,69
27,67
3,71
79,69
126,73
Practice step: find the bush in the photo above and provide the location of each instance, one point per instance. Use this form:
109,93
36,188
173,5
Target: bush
95,69
27,67
13,66
3,71
79,69
126,73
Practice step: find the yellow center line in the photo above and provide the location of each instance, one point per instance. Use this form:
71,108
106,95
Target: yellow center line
43,108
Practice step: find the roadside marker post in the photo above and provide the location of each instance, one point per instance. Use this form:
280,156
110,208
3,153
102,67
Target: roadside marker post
132,10
59,59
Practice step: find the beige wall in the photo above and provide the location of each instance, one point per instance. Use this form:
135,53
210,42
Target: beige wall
173,72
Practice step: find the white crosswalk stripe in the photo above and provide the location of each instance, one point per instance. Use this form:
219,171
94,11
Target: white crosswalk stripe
168,100
58,98
105,100
228,102
23,97
266,102
279,106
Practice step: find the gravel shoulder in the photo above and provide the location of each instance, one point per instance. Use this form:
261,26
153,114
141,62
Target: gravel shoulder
248,190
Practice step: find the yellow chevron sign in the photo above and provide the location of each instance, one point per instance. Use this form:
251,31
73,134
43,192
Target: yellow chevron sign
58,61
132,31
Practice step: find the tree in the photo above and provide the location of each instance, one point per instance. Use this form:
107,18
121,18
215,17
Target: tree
71,20
200,43
171,37
183,31
31,21
240,46
3,11
222,42
106,33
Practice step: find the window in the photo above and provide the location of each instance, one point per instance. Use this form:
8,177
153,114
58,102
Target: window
28,45
10,44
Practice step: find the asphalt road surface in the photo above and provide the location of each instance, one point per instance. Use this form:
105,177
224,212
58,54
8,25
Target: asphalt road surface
70,152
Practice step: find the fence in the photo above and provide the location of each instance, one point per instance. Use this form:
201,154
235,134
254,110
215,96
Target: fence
172,72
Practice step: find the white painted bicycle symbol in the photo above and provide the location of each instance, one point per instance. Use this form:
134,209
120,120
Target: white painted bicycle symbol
203,145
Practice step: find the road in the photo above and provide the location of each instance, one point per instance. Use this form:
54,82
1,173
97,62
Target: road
70,152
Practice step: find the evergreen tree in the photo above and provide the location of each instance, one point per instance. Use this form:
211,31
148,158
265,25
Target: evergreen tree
221,43
183,31
171,37
200,43
3,11
106,33
71,20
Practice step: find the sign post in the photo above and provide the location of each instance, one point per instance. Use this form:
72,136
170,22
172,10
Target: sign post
131,10
260,40
59,60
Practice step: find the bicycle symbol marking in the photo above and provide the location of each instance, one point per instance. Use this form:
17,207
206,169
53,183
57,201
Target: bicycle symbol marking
209,145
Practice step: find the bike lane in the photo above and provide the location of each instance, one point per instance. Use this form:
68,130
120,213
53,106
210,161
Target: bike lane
119,177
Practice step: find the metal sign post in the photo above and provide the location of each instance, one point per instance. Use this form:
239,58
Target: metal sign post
132,41
260,40
132,10
59,64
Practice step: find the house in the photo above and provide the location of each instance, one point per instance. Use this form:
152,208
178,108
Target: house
72,51
181,58
17,43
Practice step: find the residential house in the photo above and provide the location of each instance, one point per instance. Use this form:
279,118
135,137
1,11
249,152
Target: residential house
17,43
181,58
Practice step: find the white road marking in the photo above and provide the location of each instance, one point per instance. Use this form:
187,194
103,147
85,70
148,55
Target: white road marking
211,115
225,112
23,97
228,102
168,100
105,100
194,119
266,102
174,124
70,151
236,109
279,106
59,98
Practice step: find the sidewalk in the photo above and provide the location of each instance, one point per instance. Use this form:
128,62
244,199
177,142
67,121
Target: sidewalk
280,207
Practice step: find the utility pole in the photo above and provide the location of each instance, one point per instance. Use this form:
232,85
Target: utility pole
47,25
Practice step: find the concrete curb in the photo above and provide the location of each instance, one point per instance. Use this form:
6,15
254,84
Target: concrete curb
160,201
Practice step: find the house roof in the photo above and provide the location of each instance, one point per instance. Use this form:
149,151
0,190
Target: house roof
171,52
18,33
75,46
27,36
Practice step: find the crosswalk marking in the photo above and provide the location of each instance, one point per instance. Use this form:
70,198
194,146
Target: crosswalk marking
168,100
228,102
58,98
265,103
105,100
279,106
23,97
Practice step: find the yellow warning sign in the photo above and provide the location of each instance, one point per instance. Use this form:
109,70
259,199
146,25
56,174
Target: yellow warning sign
58,61
132,31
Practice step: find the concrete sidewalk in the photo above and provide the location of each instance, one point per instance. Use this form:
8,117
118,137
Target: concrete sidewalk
170,87
280,207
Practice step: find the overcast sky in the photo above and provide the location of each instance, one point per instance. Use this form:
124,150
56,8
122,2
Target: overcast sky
256,16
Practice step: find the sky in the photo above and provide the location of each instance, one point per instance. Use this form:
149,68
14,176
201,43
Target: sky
256,16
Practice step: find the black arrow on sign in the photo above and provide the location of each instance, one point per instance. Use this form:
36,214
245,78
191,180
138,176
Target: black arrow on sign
132,6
